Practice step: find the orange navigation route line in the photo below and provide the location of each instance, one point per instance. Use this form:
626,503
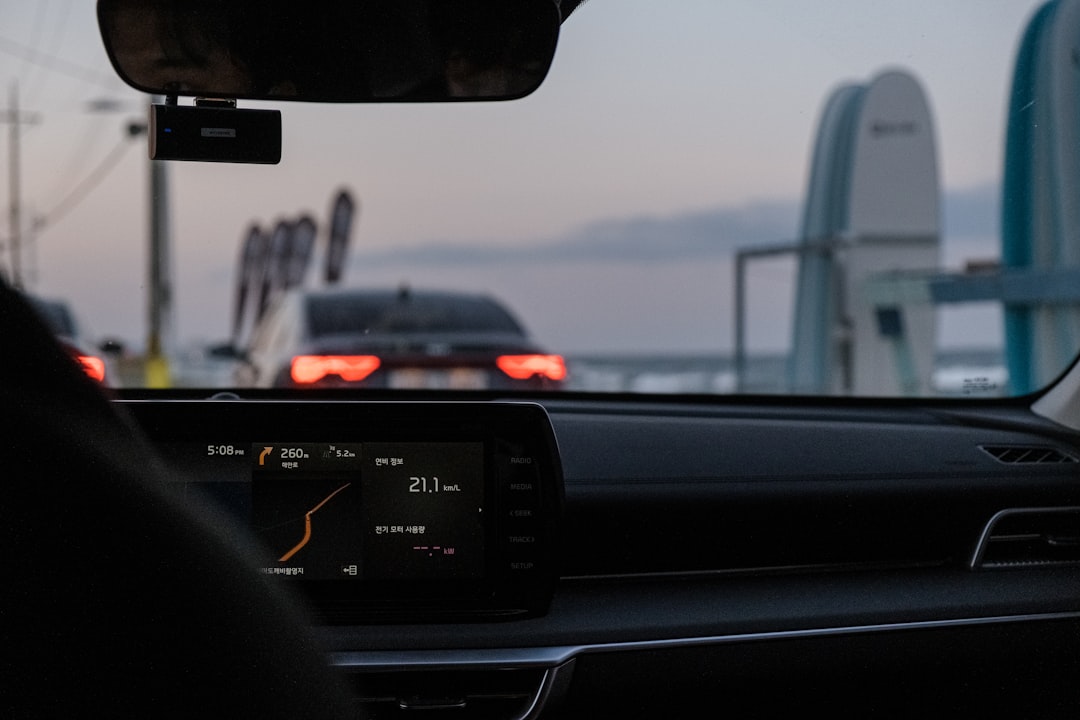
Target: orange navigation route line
307,524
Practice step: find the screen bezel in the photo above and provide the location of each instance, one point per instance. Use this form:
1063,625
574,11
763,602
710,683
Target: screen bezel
501,593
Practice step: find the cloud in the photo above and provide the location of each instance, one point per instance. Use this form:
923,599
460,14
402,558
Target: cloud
707,234
713,233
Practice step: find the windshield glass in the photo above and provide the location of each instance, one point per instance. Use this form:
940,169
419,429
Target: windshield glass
827,198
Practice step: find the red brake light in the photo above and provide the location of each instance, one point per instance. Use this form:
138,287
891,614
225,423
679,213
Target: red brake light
93,366
523,367
308,369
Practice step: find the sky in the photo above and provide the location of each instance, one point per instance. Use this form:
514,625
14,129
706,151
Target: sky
603,209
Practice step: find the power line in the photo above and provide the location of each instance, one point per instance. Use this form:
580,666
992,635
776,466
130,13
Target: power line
55,64
35,36
49,48
85,187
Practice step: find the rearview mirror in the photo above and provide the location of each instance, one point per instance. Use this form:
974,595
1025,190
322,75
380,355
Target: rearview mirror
333,50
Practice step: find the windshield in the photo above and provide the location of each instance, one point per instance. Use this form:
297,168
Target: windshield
827,198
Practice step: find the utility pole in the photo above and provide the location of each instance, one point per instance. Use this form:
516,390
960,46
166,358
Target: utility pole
160,279
15,120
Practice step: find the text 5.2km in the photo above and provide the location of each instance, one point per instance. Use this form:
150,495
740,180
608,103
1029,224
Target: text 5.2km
431,485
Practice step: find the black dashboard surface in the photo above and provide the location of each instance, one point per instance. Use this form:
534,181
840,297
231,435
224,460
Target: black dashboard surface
708,547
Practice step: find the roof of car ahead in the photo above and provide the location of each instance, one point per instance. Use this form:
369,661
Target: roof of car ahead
406,311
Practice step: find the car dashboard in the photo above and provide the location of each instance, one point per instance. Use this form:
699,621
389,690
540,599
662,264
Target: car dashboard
579,555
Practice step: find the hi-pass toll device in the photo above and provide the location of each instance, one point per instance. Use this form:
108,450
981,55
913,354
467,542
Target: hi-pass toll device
215,131
384,512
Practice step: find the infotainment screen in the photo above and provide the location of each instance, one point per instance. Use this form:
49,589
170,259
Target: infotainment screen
381,512
402,511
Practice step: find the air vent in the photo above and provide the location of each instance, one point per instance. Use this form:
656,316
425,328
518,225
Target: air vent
495,694
1029,537
1027,455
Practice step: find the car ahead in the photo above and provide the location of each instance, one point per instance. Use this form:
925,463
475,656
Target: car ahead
400,339
787,216
59,317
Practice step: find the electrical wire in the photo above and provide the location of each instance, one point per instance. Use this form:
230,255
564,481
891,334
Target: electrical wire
84,74
35,37
85,186
38,82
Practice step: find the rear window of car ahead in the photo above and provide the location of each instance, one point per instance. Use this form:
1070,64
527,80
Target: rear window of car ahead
57,316
393,313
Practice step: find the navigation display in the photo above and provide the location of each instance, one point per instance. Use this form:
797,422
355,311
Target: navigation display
370,511
379,512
